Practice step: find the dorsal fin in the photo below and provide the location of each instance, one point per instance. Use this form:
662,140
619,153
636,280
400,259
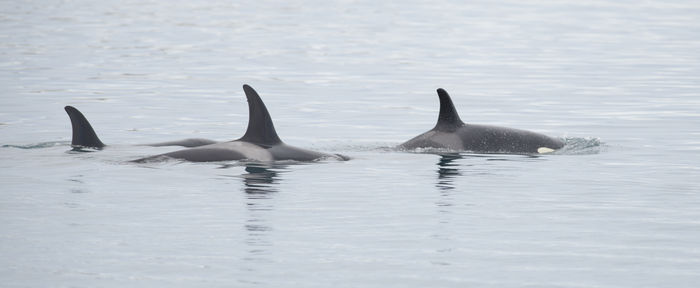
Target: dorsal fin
83,134
448,117
260,127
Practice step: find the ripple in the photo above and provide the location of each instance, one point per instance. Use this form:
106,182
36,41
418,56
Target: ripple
40,145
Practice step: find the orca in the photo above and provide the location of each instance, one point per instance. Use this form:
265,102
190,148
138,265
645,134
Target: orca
189,143
260,143
452,134
84,135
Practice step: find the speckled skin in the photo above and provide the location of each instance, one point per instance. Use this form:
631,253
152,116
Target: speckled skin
453,134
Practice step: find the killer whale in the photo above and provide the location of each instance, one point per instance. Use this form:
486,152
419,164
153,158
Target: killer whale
260,142
84,135
453,134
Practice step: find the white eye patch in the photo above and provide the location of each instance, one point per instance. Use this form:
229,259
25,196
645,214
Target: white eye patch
544,150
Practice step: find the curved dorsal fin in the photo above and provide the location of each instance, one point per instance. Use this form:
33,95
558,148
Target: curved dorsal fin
448,117
260,127
83,134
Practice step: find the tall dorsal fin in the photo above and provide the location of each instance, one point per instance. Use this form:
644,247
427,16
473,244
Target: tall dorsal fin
83,134
448,117
260,127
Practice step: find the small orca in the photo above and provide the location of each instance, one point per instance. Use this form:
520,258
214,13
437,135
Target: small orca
453,134
85,137
260,142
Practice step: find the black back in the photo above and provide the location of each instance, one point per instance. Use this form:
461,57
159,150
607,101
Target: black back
260,128
83,134
448,120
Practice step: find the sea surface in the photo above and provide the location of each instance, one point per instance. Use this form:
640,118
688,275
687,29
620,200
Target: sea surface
619,206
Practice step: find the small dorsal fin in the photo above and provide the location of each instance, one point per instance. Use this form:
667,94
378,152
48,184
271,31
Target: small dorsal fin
448,117
260,127
83,134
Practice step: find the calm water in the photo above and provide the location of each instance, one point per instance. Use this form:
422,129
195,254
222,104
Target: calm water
619,207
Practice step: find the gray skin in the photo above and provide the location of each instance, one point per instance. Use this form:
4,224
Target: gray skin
260,142
85,137
453,134
189,142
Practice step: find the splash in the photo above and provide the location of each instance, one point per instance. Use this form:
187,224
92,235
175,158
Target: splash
581,146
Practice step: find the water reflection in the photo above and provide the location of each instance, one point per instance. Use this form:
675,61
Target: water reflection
260,180
260,184
453,194
447,171
477,165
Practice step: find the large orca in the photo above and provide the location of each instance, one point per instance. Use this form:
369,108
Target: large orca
260,142
85,137
453,134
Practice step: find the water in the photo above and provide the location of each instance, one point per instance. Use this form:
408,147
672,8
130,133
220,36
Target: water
616,208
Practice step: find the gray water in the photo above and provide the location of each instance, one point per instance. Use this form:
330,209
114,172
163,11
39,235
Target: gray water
618,207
